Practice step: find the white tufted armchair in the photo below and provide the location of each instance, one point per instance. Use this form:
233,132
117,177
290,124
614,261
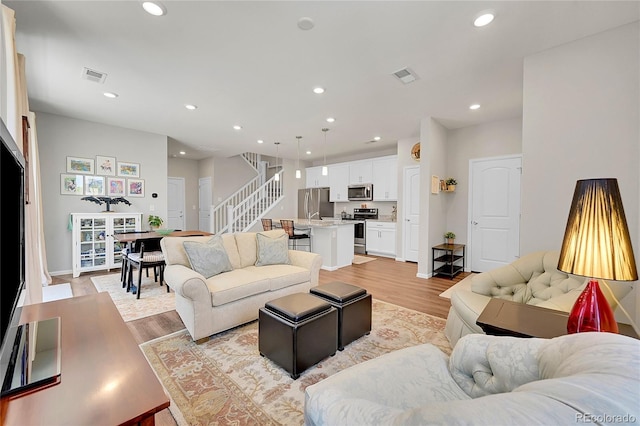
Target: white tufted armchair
533,279
488,380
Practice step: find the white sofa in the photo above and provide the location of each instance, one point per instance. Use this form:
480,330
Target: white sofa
488,380
229,299
533,279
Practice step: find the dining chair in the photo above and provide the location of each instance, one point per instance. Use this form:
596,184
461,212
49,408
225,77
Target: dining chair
124,252
145,254
296,235
267,224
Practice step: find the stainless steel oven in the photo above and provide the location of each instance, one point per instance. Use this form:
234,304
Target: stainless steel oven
360,234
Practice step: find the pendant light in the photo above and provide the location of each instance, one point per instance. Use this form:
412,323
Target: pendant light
325,170
298,172
277,176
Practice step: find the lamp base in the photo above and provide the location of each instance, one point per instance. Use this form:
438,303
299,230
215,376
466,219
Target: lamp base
591,312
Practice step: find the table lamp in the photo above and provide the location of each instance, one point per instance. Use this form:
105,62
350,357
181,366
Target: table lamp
596,245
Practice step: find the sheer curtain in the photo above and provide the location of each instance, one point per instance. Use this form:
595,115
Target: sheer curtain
15,105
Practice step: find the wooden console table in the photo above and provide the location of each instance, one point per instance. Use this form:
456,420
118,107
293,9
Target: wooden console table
105,379
506,318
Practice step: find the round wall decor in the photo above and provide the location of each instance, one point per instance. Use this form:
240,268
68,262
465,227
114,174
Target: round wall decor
415,152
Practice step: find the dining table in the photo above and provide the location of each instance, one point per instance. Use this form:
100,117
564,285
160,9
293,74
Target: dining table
129,240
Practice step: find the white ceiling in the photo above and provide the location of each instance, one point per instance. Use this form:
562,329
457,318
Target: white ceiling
247,63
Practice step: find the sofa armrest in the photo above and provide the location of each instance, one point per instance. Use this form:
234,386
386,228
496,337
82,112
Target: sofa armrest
186,282
483,365
307,260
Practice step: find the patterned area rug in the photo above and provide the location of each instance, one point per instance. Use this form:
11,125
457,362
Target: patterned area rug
154,298
226,381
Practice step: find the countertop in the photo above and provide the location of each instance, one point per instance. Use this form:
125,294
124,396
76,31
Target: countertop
316,223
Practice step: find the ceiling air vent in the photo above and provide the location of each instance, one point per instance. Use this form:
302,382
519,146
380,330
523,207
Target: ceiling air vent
93,75
405,75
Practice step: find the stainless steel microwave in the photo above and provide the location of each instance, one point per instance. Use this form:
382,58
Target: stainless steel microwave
360,192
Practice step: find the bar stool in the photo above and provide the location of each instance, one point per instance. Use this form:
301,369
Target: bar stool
295,236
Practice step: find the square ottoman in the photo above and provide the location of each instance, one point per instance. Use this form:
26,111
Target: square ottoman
354,309
297,331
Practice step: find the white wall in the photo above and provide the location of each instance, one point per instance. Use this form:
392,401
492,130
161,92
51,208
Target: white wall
580,121
59,137
494,139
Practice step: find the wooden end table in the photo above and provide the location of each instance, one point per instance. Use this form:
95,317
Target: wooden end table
506,318
105,378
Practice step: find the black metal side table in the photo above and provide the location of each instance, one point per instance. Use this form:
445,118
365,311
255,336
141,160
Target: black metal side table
450,256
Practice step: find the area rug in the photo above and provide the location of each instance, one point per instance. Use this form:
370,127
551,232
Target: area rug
154,298
359,260
226,381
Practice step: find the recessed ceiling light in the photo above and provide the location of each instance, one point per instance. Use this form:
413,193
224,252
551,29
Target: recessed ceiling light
377,138
483,19
308,152
154,8
260,141
331,120
182,153
110,95
305,23
236,127
474,106
318,90
191,107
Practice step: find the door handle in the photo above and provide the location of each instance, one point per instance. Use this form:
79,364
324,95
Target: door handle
473,222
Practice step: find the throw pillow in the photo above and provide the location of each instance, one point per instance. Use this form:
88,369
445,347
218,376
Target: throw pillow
272,250
208,258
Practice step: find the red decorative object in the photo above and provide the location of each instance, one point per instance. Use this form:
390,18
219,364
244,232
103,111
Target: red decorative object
591,312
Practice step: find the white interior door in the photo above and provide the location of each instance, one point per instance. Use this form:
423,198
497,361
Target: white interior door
494,212
411,209
204,200
175,203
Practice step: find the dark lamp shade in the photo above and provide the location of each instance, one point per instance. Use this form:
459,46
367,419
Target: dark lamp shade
596,241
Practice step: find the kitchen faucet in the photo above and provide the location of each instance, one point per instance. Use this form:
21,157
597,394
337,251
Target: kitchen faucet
312,215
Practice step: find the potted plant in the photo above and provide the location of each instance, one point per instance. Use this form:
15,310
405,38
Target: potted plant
154,221
451,184
450,237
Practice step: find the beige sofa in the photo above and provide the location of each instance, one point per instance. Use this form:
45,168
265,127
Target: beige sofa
221,302
533,279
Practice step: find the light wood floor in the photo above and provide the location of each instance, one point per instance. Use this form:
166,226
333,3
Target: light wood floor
385,279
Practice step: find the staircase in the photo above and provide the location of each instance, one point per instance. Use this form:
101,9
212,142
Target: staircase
244,208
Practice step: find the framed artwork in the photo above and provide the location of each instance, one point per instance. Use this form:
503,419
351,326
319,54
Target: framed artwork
80,165
128,169
94,185
135,187
116,187
105,165
435,184
71,184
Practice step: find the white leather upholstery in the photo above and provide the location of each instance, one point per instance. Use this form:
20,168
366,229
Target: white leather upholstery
488,380
533,279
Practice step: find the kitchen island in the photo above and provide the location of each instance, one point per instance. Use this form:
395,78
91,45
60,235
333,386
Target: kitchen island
331,239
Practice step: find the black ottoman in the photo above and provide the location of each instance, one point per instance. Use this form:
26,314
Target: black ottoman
354,309
297,331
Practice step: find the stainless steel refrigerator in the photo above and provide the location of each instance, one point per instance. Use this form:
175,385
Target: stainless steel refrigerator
314,202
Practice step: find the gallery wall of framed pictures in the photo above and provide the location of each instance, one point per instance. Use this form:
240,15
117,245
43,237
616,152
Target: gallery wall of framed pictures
101,176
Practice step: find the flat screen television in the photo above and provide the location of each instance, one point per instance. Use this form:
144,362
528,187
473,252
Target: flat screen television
12,248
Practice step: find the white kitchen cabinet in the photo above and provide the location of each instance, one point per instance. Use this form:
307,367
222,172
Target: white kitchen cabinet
339,182
315,179
360,172
381,238
385,178
94,248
